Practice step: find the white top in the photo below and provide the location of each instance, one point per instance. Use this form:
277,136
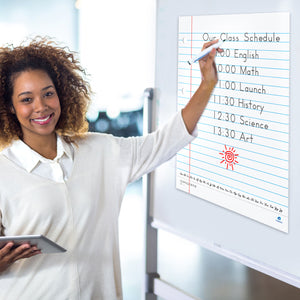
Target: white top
58,169
80,214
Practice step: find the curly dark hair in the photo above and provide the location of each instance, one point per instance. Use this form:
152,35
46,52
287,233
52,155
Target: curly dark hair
67,75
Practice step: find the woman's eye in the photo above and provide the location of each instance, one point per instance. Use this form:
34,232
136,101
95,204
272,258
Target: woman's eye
26,100
49,94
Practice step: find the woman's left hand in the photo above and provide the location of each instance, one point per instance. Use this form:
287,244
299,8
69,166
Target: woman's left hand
208,66
192,112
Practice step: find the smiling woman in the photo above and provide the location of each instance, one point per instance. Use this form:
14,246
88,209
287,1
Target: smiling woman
68,184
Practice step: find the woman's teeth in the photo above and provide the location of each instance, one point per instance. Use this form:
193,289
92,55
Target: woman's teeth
42,120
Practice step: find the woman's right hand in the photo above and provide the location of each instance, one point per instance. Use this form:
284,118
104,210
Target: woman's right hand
8,254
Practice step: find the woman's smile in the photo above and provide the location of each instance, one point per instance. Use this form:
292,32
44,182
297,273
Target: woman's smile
43,120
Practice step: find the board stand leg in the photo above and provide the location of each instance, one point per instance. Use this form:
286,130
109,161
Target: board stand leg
150,232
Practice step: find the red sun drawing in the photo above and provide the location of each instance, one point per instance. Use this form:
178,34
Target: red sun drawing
229,157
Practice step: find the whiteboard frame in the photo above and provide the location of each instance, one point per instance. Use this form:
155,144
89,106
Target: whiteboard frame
166,9
256,265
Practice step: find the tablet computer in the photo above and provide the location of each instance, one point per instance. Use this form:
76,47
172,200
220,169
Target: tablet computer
42,243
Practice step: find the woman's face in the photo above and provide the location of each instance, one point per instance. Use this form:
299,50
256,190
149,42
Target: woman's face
35,103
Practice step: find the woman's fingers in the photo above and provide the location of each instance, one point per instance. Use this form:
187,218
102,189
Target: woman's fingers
10,255
33,250
6,249
208,44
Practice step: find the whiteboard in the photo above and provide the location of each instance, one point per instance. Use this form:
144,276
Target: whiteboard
227,232
240,159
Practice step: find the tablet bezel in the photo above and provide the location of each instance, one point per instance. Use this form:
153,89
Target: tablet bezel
42,242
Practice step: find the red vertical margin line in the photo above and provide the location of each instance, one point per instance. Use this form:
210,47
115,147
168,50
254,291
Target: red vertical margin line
191,79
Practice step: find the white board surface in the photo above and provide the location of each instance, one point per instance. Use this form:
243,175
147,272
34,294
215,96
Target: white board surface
240,159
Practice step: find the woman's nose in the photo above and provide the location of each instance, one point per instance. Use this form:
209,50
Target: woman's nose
40,104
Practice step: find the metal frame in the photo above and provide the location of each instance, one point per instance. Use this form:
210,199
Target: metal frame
150,232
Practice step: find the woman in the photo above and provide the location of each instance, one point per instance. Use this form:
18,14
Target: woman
60,181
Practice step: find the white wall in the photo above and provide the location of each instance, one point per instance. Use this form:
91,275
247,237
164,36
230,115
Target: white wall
116,41
55,18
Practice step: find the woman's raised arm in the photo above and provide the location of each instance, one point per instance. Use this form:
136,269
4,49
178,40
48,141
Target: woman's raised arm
192,112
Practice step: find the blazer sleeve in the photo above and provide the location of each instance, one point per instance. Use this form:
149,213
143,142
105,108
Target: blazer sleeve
149,151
